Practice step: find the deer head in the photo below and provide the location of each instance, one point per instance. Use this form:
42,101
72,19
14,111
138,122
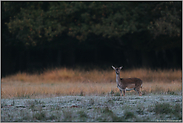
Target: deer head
117,69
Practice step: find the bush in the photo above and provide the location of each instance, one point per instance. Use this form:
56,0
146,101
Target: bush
128,114
106,110
140,109
83,116
67,115
117,94
112,92
40,116
162,108
177,111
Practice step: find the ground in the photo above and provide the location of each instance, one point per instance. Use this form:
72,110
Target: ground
94,108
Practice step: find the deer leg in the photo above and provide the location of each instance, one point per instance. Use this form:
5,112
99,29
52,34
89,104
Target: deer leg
140,91
137,89
120,92
124,90
140,94
123,93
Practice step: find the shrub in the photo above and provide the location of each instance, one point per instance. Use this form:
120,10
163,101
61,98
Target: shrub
67,115
177,111
83,116
91,102
117,94
106,110
140,109
178,108
117,119
39,116
128,114
171,92
52,117
162,108
109,116
112,92
110,101
81,93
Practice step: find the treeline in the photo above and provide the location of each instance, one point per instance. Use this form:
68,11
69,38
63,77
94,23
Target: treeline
37,35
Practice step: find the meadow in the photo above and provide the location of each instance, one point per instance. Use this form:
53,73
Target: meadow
90,95
109,108
64,82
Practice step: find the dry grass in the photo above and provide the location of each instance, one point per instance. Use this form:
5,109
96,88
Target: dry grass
56,89
71,75
79,82
36,90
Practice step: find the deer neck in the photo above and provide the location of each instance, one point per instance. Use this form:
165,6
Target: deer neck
117,78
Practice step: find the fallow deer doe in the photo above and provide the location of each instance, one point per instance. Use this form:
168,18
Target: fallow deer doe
127,83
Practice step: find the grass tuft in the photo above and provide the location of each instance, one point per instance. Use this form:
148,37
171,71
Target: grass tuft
81,93
67,116
140,109
163,108
82,115
40,116
117,94
106,110
166,108
129,115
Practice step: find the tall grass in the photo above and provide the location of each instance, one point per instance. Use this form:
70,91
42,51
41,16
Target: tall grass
80,82
78,75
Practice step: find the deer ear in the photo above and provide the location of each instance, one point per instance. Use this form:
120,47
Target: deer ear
120,67
113,67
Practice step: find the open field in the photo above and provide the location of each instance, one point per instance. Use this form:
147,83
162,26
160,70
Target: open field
95,75
94,108
43,90
59,82
79,95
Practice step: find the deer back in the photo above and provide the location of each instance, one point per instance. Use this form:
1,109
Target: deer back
127,81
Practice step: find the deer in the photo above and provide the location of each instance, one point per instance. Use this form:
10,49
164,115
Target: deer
127,83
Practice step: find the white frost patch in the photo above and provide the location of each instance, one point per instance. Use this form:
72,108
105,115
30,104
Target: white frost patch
90,107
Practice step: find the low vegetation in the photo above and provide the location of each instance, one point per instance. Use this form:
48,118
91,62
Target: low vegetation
66,95
95,75
65,81
166,108
93,109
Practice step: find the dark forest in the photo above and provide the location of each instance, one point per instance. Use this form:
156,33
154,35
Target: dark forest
41,35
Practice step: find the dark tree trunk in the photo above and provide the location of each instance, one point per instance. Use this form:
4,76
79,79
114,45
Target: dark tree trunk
71,56
146,62
27,59
59,58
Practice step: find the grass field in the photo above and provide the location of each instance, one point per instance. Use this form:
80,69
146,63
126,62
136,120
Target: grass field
78,95
63,81
150,108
